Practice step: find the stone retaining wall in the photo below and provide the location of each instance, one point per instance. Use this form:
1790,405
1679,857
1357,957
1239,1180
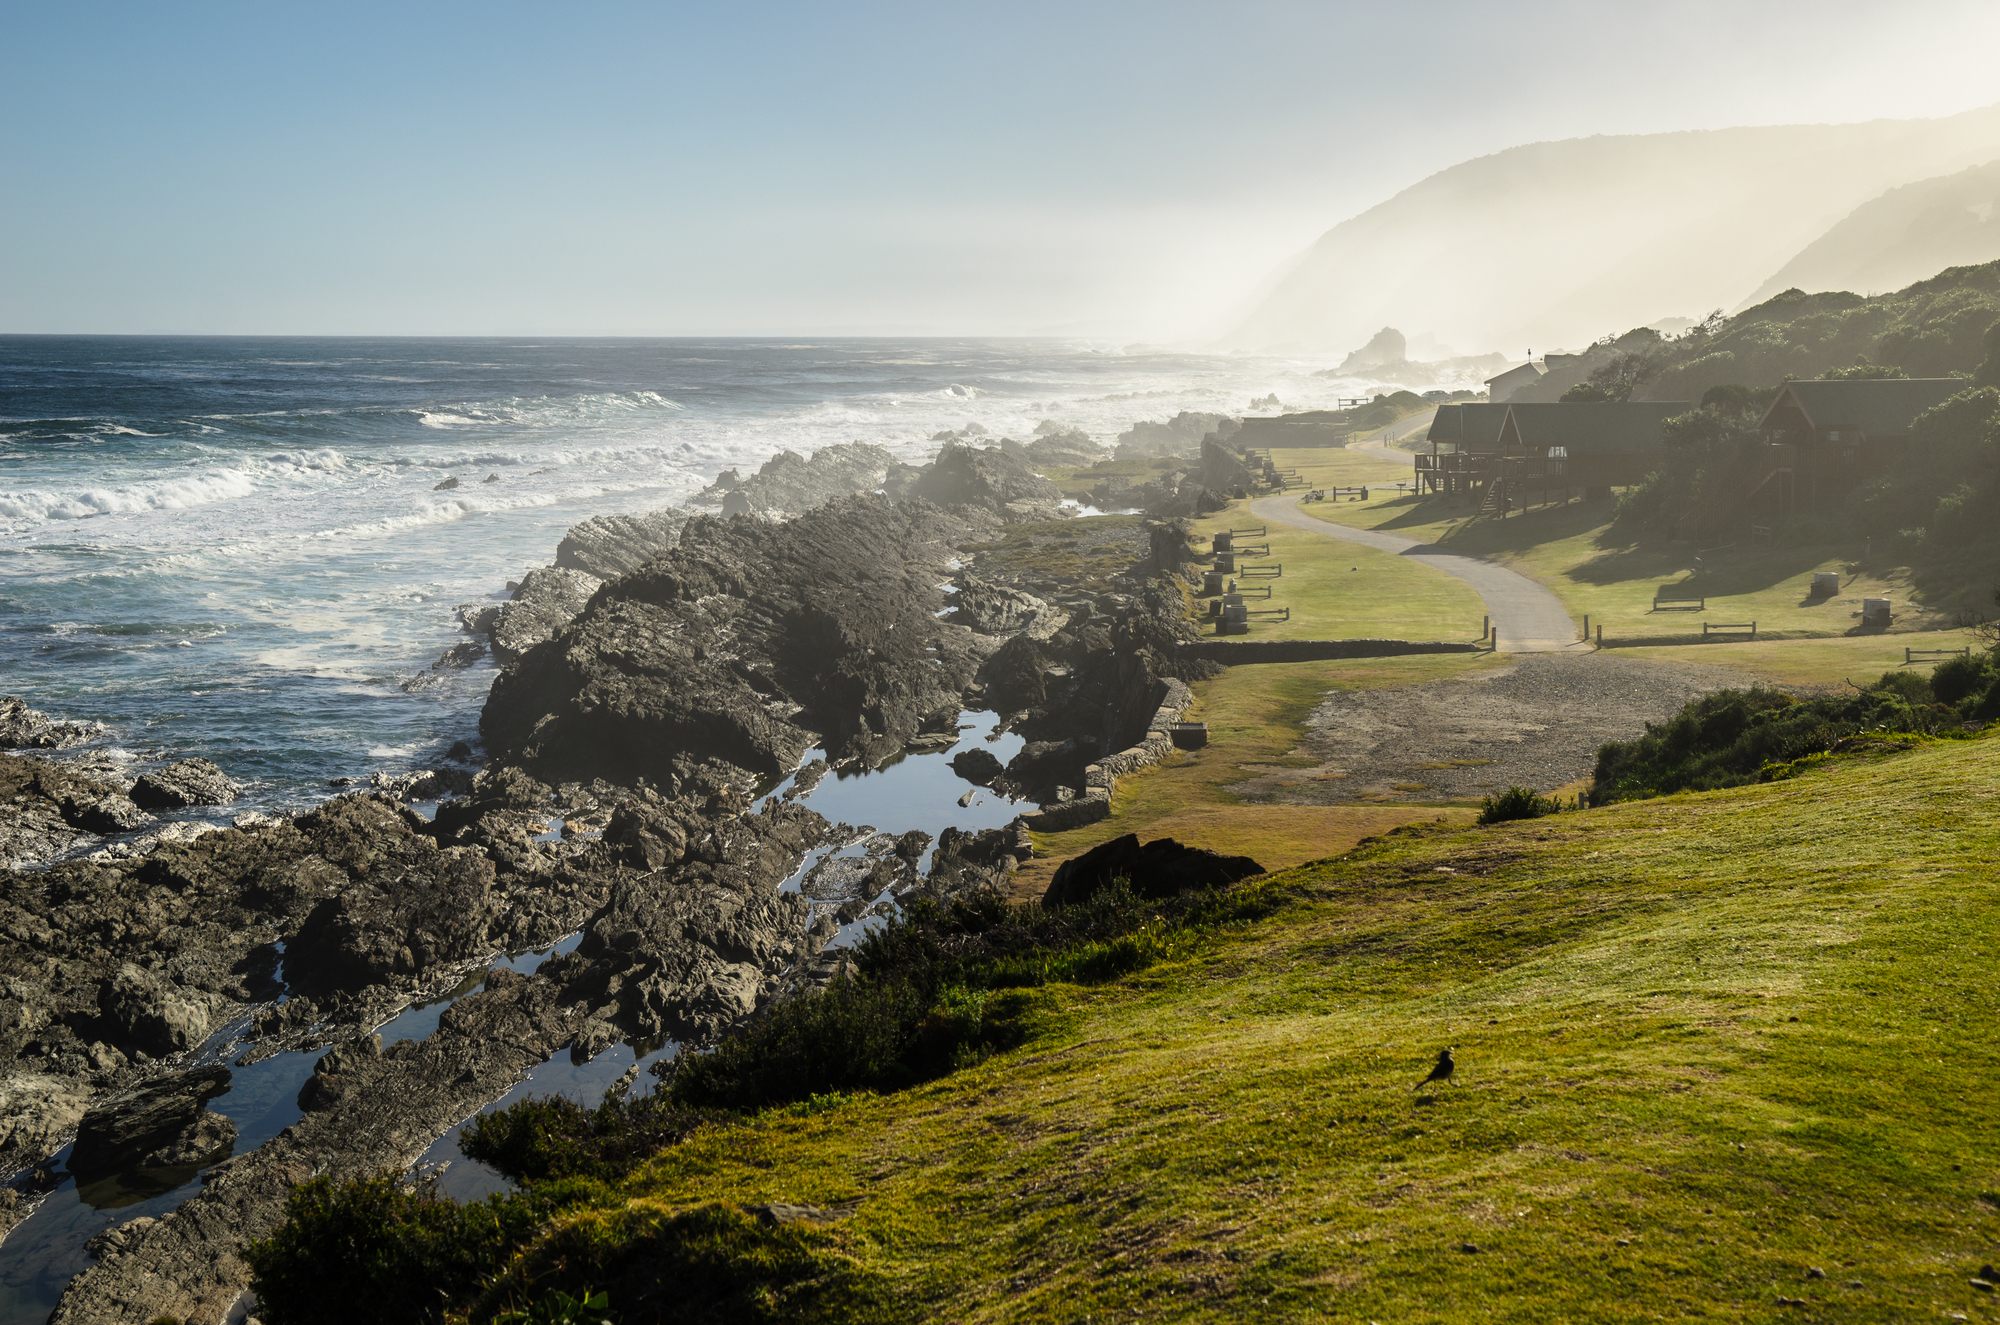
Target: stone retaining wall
1101,778
1232,652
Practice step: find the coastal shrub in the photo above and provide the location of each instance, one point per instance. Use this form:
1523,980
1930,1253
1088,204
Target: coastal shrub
1515,803
1730,738
930,994
1958,679
396,1252
555,1137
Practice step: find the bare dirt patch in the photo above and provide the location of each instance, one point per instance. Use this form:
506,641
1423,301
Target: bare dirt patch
1535,724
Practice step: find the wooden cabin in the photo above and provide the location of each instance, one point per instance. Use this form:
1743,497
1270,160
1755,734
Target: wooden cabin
1465,441
1586,445
1832,433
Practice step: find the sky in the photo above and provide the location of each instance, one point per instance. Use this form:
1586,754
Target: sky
1092,169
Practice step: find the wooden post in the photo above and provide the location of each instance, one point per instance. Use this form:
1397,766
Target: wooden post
1485,626
1600,634
1586,625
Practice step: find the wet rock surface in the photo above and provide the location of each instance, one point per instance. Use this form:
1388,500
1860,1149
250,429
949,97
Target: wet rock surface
23,728
682,951
179,785
46,809
162,1125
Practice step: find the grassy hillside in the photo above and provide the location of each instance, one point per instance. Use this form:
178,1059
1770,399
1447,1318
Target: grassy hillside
1716,1053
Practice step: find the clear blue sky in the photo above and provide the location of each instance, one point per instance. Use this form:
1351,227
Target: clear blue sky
771,168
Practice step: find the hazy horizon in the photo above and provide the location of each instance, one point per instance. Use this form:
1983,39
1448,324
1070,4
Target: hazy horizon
1111,173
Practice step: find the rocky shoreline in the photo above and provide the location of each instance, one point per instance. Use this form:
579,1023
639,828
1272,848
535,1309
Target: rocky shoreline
657,682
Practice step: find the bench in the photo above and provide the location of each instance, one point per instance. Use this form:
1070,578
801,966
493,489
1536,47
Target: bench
1270,572
1673,593
1932,655
1281,613
1718,628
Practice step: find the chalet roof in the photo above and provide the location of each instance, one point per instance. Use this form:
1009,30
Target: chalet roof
1514,372
1595,426
1876,406
1474,423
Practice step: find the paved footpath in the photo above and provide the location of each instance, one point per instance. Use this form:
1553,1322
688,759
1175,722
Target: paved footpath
1529,618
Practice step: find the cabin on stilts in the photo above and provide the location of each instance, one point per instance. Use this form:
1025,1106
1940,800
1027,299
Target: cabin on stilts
1821,437
1464,441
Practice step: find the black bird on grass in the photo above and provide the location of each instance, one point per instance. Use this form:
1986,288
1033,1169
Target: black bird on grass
1441,1071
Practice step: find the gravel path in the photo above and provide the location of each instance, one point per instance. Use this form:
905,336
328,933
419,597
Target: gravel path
1527,616
1536,723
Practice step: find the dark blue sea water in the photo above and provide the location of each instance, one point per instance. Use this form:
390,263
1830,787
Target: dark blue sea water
235,548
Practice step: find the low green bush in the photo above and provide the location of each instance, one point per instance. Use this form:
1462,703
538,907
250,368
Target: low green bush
394,1251
1958,679
1732,737
1515,803
929,995
555,1137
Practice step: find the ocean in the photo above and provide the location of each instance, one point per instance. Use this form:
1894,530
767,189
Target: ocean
236,547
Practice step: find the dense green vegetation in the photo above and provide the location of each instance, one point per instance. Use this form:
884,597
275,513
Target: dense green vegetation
1934,328
1735,737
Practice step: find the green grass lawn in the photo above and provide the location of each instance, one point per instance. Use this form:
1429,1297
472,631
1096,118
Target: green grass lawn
1593,570
1343,591
1708,1045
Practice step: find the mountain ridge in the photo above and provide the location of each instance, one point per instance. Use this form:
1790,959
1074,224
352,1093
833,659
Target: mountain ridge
1641,225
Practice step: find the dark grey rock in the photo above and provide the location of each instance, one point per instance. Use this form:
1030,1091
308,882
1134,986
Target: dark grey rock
987,479
154,1013
23,728
1160,868
547,600
790,484
749,645
977,766
179,785
608,546
149,1129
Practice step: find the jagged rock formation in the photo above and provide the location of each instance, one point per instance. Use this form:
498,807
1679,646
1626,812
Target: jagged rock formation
607,546
981,480
789,484
743,643
179,785
1057,447
546,600
50,809
23,728
1223,472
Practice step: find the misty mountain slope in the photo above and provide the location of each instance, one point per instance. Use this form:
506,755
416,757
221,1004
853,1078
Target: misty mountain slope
1551,243
1900,237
